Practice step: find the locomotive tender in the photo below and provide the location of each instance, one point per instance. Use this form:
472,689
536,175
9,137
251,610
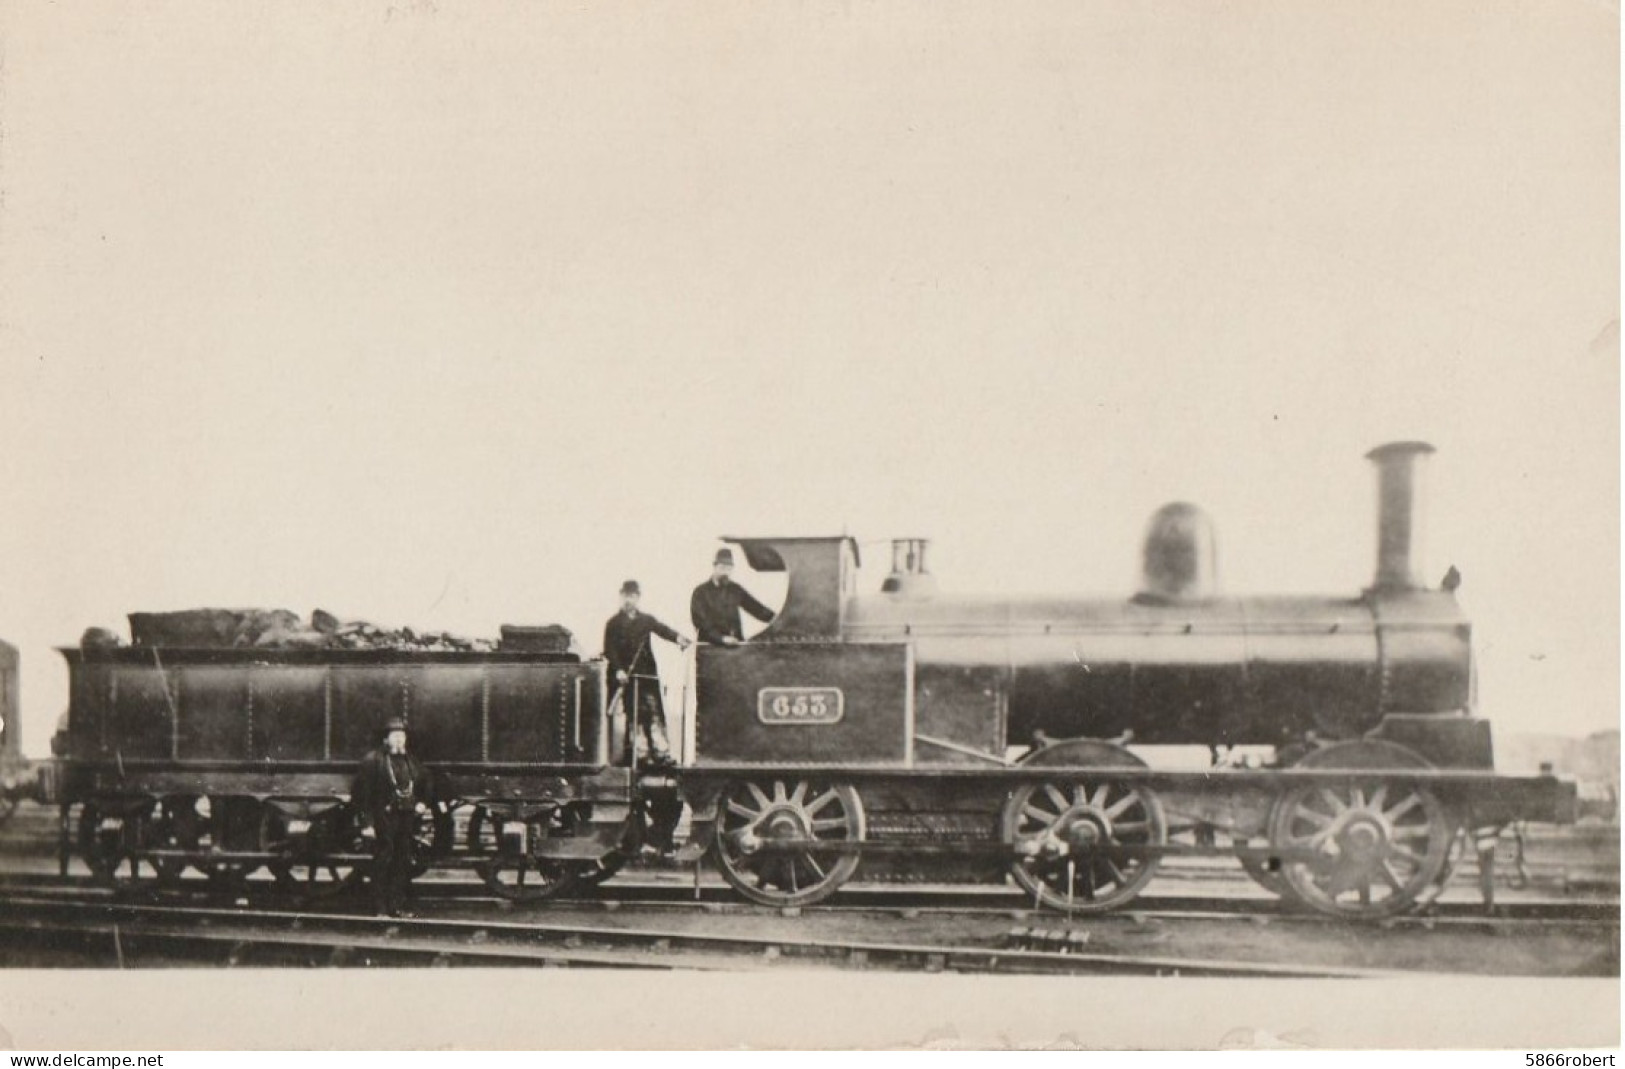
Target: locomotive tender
907,733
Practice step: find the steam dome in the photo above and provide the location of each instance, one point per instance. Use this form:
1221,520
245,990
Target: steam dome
1181,560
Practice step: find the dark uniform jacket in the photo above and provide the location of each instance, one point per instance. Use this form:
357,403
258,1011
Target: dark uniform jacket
715,607
386,782
626,644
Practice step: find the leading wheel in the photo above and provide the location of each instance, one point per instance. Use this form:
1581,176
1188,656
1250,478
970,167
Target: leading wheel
1085,842
1368,846
765,844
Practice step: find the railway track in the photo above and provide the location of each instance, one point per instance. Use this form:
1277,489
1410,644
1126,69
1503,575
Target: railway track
54,922
134,935
669,896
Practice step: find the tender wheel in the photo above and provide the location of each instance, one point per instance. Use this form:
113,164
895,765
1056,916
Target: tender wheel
433,837
599,871
173,826
1368,847
101,843
508,866
230,824
1080,839
758,817
306,863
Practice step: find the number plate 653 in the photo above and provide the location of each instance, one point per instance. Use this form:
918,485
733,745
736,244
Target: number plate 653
799,705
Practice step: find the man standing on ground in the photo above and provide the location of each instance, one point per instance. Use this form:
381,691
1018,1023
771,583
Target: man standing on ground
389,788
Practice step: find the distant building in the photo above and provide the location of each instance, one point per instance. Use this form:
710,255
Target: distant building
11,742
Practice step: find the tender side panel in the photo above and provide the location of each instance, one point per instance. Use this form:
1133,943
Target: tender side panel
805,703
142,708
525,714
290,713
446,710
365,697
260,712
215,714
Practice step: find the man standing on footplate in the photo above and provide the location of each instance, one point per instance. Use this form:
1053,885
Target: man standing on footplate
634,678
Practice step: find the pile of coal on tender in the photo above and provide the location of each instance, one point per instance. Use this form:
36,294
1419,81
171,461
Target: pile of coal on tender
277,629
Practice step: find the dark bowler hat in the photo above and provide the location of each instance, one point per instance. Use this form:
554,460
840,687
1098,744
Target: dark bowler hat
724,556
394,723
631,587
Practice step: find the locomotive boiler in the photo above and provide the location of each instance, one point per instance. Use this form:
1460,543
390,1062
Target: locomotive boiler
1019,728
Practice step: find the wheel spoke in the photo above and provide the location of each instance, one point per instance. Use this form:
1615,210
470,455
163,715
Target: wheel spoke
1122,805
741,811
1406,854
1102,792
778,791
1316,817
762,800
1392,878
1042,816
1411,801
1339,807
800,793
822,800
828,824
1056,798
812,863
1117,873
1377,797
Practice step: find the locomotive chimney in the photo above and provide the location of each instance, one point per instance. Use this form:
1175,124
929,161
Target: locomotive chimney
1399,521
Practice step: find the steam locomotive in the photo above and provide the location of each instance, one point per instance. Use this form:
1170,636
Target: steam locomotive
902,734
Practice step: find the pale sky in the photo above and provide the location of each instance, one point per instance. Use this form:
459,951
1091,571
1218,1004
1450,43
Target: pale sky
459,316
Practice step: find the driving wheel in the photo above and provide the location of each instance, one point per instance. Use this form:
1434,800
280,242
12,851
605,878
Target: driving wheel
769,842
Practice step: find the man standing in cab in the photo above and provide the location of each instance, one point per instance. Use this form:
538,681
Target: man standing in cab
631,658
717,602
390,787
